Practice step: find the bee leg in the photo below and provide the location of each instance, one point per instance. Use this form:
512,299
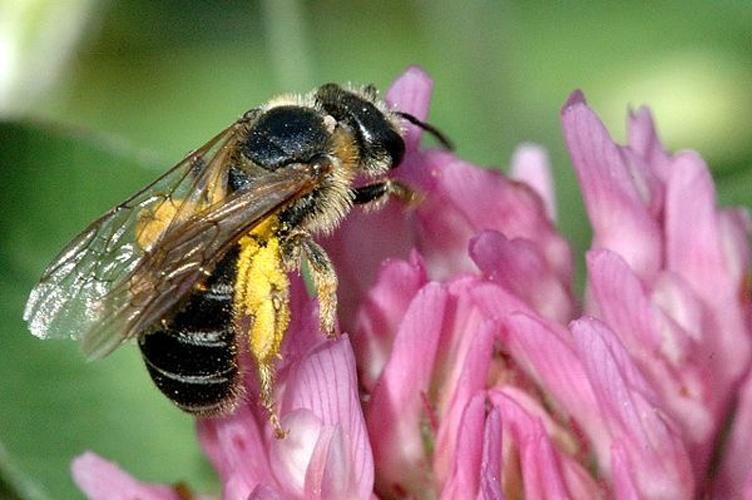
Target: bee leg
265,373
373,196
266,361
299,245
325,281
261,309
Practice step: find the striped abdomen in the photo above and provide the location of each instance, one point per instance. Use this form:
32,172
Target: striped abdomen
192,357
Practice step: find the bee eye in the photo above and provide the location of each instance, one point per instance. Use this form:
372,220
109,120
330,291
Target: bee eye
393,145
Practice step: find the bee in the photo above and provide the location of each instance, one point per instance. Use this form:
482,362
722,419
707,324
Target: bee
197,262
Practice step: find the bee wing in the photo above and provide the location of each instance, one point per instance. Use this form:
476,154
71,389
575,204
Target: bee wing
187,253
68,300
86,292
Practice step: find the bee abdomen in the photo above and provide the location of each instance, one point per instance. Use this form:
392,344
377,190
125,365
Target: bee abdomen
197,370
192,357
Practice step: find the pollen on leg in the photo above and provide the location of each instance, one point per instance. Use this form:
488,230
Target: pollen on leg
261,306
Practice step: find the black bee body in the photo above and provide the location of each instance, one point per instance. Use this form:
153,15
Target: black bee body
192,358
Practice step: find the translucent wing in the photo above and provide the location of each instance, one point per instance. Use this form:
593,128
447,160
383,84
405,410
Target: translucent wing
132,265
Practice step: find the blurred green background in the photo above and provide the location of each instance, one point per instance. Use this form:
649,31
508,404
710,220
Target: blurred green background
97,98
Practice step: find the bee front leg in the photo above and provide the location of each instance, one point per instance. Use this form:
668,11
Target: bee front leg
373,196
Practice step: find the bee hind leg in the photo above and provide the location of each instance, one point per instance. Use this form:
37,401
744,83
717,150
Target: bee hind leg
265,373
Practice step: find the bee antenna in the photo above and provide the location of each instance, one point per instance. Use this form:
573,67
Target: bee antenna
436,133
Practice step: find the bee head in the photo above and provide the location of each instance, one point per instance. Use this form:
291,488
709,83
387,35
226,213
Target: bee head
376,131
